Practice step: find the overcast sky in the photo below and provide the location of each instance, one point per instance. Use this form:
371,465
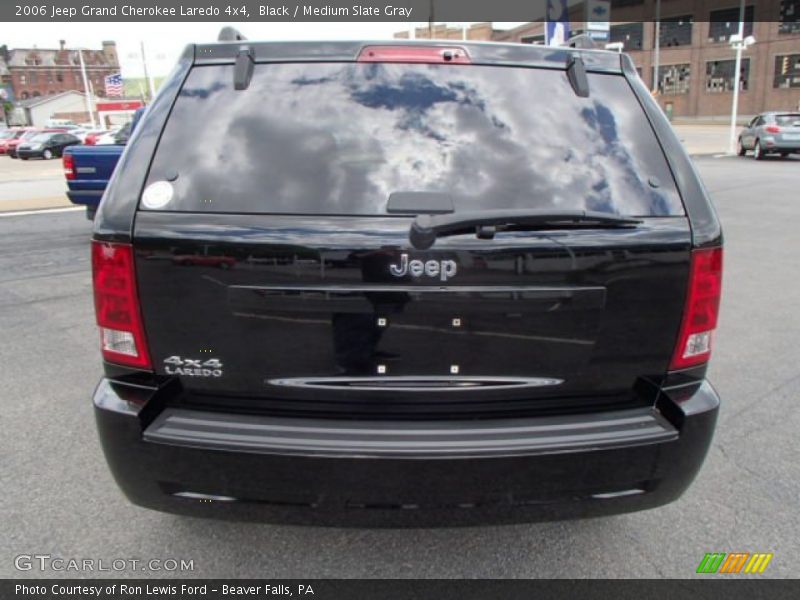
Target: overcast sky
164,41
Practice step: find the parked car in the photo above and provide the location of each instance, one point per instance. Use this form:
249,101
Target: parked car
11,135
520,330
5,135
11,145
88,168
771,133
78,132
30,133
118,135
106,138
92,136
46,145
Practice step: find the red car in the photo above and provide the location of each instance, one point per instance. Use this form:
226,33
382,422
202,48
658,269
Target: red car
91,138
28,133
11,135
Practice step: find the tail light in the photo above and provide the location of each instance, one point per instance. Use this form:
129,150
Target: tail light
772,129
116,304
701,311
69,166
414,54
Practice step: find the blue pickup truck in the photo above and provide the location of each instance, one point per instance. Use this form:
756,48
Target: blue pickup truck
88,168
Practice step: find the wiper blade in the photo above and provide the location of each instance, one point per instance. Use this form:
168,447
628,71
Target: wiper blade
485,223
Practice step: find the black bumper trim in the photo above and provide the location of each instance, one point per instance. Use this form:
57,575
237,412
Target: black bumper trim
374,439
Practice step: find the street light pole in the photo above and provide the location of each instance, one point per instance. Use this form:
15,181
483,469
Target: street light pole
146,77
657,52
86,88
739,45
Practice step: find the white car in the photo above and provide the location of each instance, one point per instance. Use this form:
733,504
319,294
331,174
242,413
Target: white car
107,138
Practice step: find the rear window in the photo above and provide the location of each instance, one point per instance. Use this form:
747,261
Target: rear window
338,139
788,120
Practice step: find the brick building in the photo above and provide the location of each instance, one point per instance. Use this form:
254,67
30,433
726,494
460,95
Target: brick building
35,72
696,64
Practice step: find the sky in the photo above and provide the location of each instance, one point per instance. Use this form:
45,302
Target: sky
163,41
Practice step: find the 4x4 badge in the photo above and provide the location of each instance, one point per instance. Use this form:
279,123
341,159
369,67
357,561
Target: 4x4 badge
193,367
443,269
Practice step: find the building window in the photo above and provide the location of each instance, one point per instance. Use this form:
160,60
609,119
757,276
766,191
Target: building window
24,95
630,34
676,31
674,79
787,71
34,77
59,77
789,16
33,61
724,23
23,79
532,39
720,75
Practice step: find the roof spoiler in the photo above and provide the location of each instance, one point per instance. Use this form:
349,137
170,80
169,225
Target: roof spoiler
230,34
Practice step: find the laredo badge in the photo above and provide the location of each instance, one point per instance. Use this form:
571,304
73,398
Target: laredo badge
193,367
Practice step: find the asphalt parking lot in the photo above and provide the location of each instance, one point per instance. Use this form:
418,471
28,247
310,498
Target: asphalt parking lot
59,498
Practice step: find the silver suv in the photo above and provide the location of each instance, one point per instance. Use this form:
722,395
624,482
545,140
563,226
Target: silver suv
771,132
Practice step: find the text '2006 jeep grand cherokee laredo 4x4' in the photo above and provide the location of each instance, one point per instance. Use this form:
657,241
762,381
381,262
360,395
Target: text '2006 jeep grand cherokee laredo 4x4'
428,283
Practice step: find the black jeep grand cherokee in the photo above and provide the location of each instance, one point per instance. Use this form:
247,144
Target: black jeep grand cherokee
415,283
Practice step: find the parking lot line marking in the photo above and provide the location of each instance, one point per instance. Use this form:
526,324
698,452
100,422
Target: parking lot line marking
21,213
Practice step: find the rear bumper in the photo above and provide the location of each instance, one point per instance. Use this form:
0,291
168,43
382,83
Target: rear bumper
404,473
772,144
89,198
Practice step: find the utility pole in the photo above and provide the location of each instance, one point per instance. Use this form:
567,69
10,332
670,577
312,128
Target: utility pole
739,45
657,51
86,88
147,79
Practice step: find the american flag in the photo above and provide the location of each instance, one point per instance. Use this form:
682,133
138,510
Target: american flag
114,84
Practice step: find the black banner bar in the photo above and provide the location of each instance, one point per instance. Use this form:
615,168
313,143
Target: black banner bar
358,10
711,587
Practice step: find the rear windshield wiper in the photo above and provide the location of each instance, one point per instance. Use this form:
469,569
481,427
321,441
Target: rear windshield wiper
485,223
